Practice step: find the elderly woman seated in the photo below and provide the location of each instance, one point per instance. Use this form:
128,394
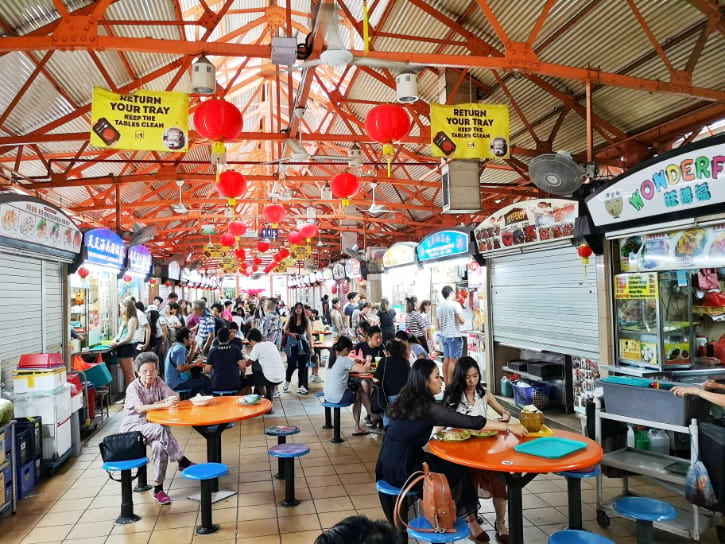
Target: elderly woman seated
149,392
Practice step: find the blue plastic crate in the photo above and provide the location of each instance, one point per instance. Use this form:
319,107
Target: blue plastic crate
537,394
26,481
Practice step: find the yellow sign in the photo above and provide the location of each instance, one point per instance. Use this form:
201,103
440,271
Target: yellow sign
470,131
145,120
635,286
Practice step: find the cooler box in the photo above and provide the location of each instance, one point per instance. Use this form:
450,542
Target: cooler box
52,406
41,360
57,439
37,379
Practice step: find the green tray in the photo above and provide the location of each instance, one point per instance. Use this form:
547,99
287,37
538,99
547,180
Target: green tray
550,447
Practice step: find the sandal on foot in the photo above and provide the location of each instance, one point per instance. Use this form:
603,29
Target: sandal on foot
361,433
502,532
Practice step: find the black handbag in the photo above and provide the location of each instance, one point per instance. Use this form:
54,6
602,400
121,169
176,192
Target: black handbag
378,398
123,447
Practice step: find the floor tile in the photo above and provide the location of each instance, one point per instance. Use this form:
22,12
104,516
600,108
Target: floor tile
295,524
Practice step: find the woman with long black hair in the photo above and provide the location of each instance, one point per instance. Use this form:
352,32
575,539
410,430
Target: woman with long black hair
299,343
413,416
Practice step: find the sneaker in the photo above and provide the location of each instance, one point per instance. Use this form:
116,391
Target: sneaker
302,390
162,498
276,395
285,387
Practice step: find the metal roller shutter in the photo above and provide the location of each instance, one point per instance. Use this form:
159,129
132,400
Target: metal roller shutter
543,300
33,318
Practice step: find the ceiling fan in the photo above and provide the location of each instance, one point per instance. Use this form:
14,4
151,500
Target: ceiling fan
556,173
180,208
374,207
335,54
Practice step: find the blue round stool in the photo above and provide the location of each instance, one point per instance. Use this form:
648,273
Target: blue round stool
335,407
578,537
574,490
287,453
281,432
420,522
206,473
389,490
125,467
645,511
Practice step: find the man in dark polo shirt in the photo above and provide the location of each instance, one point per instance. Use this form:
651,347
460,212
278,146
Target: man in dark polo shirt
226,363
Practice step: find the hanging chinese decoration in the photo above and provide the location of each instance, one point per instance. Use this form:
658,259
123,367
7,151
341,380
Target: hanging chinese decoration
386,124
152,281
240,254
236,228
274,214
262,246
257,261
219,121
344,186
83,272
168,283
294,238
226,240
308,231
584,252
231,185
127,278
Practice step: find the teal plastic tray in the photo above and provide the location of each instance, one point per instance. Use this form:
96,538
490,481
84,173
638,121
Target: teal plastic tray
550,447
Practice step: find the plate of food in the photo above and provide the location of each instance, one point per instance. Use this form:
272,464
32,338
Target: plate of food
482,433
453,435
9,219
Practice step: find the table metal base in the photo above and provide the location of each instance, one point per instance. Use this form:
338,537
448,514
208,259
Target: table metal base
515,483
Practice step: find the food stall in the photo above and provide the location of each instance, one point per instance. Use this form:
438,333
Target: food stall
403,276
37,242
543,305
665,225
134,281
170,276
94,292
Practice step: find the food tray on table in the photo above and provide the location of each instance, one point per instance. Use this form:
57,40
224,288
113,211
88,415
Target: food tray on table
550,447
543,431
453,435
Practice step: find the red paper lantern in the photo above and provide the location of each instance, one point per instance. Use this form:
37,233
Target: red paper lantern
333,289
231,185
308,231
152,281
83,272
168,283
127,278
257,260
584,251
218,120
262,246
344,186
277,257
294,237
387,123
255,268
284,252
274,214
237,228
240,254
226,239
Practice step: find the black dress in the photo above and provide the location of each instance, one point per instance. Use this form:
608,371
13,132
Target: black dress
402,454
387,325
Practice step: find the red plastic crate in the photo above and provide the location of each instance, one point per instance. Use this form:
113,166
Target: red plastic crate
41,360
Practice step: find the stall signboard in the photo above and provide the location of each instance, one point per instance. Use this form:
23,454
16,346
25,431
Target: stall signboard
338,271
476,275
104,247
139,260
443,244
694,248
526,223
635,286
352,268
144,120
400,254
470,131
33,221
679,181
173,271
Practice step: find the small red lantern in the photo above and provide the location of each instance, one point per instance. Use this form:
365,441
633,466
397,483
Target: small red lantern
236,228
333,289
308,231
226,239
584,252
127,278
218,120
274,214
294,237
255,268
152,281
240,254
387,123
284,252
83,272
257,260
262,246
277,257
231,185
344,186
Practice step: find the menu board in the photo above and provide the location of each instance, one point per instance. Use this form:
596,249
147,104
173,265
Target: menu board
104,247
31,220
526,223
400,254
635,286
139,260
701,247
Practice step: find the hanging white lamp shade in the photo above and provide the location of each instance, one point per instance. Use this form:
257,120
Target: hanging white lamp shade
406,87
203,76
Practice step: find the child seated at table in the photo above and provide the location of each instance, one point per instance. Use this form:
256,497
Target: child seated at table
226,364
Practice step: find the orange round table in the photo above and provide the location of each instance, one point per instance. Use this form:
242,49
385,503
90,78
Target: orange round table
210,421
517,469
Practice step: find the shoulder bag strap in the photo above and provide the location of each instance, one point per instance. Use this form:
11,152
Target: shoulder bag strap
407,486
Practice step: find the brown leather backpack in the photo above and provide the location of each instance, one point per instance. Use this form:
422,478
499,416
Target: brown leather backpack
439,508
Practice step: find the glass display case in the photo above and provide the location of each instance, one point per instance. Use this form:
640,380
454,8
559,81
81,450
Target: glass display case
654,327
93,311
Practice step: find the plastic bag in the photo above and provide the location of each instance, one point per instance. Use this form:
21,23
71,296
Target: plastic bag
698,487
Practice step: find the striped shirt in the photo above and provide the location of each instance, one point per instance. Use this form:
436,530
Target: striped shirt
449,327
206,325
415,323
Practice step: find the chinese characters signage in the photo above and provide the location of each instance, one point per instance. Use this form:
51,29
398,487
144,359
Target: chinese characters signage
470,131
31,220
400,254
145,120
104,247
692,178
444,243
173,271
635,286
701,247
139,260
528,222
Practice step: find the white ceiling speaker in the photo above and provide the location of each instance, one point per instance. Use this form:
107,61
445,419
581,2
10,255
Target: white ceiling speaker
406,87
203,76
354,156
556,173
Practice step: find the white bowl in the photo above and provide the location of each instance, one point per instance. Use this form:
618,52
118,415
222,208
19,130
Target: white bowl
201,400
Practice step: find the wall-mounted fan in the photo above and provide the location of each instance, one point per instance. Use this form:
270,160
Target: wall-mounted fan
376,208
180,208
140,234
556,173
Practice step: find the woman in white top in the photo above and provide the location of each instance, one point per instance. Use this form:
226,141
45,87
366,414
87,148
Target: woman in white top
467,396
128,337
337,378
